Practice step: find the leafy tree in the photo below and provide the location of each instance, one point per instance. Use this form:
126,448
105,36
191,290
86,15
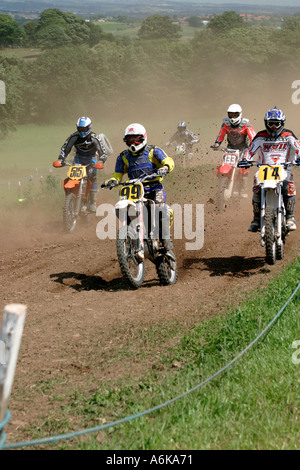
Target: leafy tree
30,28
158,27
52,36
292,23
57,29
225,22
195,21
10,32
95,34
12,73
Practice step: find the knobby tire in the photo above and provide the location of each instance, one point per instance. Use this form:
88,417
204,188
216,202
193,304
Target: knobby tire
132,271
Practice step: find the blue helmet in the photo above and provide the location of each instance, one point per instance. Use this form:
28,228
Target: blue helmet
84,126
274,121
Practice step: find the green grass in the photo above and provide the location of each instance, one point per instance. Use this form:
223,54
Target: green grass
253,405
21,53
120,29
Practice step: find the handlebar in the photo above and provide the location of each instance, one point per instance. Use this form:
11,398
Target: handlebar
284,165
142,179
98,165
224,149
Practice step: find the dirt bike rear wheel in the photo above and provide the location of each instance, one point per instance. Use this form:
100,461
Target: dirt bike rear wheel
69,219
132,270
166,270
270,235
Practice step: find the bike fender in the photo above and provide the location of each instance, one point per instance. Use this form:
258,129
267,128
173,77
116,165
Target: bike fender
71,184
269,184
123,204
224,170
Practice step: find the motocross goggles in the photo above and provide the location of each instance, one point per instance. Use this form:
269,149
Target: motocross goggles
274,124
233,115
83,129
133,139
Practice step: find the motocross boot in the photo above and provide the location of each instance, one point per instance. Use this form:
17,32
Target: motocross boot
255,224
290,219
243,190
92,205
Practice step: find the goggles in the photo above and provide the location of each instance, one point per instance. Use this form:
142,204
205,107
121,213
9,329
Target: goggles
133,139
83,129
233,115
275,124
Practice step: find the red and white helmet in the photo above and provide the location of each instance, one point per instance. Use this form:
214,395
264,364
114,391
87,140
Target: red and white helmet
234,114
135,137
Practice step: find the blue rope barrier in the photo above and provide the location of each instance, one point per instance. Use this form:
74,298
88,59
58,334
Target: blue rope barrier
54,439
2,426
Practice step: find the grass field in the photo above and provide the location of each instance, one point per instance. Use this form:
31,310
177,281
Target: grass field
253,405
131,30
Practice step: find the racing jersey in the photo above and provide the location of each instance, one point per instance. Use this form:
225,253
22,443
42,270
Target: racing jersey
274,150
187,137
146,162
86,148
238,137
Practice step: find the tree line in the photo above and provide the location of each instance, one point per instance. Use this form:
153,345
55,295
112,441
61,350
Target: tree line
99,72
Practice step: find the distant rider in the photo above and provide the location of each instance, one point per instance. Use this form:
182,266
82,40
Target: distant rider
239,134
274,146
140,159
184,136
238,130
89,149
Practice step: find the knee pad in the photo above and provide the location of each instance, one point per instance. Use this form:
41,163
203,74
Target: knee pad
290,204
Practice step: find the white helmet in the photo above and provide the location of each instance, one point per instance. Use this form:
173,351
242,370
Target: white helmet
135,137
234,114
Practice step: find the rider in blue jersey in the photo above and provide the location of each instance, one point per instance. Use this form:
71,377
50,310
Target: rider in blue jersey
140,159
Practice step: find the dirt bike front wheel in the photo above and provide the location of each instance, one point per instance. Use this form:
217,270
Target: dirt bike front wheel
270,235
69,218
132,270
220,196
280,247
166,270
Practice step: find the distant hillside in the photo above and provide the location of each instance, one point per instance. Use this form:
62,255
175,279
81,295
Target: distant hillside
141,8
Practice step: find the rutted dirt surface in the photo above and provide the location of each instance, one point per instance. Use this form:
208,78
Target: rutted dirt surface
80,311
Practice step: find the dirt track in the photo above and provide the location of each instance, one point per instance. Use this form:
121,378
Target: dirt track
80,311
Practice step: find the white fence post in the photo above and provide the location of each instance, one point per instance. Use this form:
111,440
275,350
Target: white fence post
10,338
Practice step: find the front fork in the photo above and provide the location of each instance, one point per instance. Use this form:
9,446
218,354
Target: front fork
275,200
138,222
78,199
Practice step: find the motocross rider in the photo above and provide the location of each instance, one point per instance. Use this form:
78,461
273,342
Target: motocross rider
87,149
140,159
184,136
239,134
274,145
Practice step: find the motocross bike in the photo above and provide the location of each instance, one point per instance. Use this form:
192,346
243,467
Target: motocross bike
138,237
182,155
273,229
77,188
229,178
